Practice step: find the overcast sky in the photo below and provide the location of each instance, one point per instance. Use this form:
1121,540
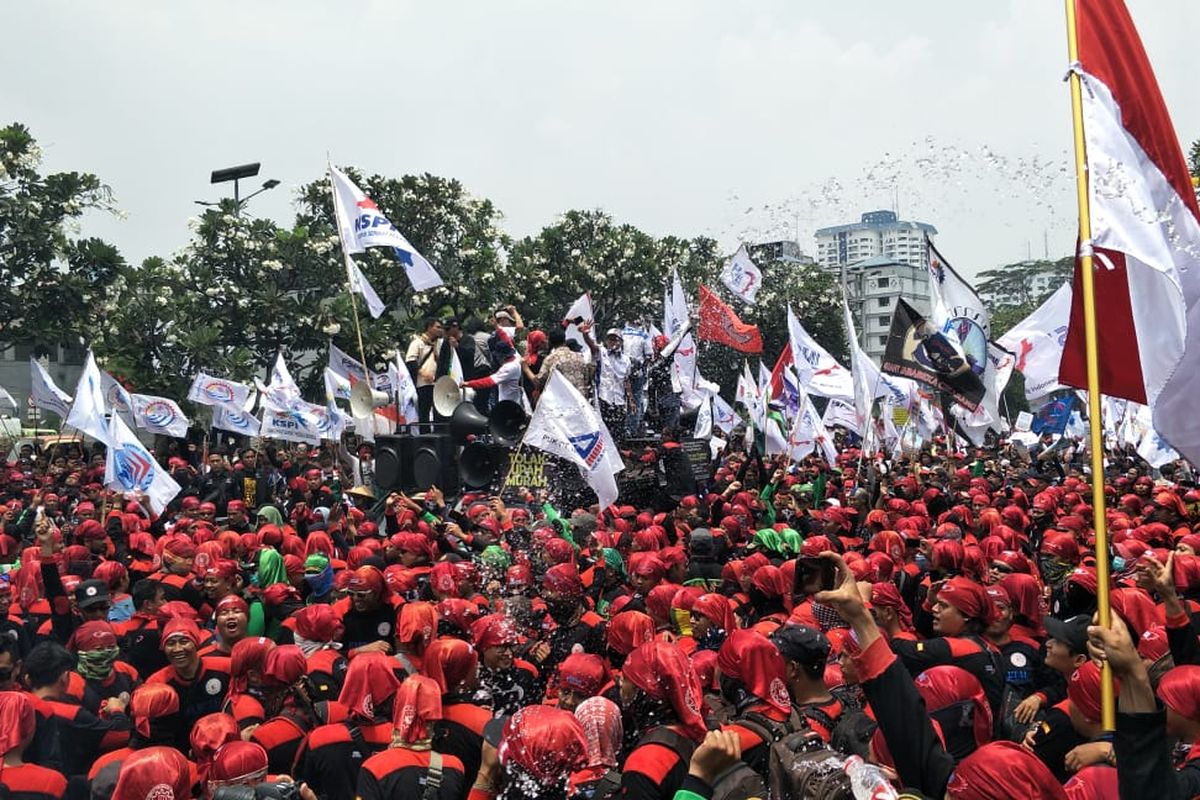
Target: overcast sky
740,120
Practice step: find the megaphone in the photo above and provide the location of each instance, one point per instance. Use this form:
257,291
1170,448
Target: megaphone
477,465
507,423
364,400
446,395
467,421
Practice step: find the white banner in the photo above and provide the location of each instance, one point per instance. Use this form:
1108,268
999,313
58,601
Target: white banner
159,415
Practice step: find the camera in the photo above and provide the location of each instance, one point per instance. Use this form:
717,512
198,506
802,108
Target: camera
267,790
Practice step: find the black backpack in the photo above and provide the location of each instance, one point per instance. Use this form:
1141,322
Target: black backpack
799,766
739,782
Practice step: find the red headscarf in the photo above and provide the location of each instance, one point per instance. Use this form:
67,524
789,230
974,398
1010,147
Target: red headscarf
209,734
582,672
658,601
717,609
416,625
93,635
628,630
155,773
770,581
285,664
1180,690
563,579
367,578
1026,596
248,654
318,623
370,681
17,720
181,626
968,597
751,659
1003,769
152,701
238,762
494,630
546,742
444,579
1083,690
647,565
661,670
946,685
450,662
418,704
886,595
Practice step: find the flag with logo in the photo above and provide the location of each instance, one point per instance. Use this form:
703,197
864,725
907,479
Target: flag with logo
1038,341
336,386
741,276
1054,415
579,313
87,412
839,413
346,365
116,396
922,352
719,323
723,415
239,422
704,420
207,390
361,225
159,415
292,424
818,371
565,425
281,391
130,468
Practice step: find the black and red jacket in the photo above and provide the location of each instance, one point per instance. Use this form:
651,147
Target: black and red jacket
400,772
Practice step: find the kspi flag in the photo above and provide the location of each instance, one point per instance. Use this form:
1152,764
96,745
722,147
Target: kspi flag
130,468
565,425
741,276
159,415
1037,342
116,396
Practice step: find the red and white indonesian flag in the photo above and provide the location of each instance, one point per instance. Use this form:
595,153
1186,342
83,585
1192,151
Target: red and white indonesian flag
1145,234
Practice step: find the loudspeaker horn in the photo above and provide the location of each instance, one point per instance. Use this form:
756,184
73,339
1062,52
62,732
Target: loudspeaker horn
507,423
446,395
364,400
477,465
466,421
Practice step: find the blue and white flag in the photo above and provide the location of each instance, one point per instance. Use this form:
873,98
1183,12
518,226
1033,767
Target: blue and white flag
723,415
346,365
281,392
289,424
130,468
239,422
741,276
159,415
336,386
87,412
565,425
116,396
361,225
207,390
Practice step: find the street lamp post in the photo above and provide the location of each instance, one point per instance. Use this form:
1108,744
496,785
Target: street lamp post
236,174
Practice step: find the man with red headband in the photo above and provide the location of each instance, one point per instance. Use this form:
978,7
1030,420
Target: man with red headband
200,681
370,622
505,682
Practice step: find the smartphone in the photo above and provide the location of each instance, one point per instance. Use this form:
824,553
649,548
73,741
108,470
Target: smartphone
815,575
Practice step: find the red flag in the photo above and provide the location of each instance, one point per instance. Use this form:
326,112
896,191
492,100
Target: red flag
1145,234
719,323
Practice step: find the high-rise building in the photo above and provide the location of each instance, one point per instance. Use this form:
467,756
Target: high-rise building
879,233
872,289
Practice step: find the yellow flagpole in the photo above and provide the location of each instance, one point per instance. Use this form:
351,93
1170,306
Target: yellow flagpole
1095,426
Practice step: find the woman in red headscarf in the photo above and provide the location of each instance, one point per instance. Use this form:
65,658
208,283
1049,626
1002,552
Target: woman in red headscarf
660,691
232,617
332,754
511,682
18,722
1179,691
626,631
454,665
712,620
292,707
603,731
753,681
156,773
317,631
414,763
247,666
371,618
539,749
416,626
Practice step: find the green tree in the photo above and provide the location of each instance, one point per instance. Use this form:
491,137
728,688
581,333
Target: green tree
49,280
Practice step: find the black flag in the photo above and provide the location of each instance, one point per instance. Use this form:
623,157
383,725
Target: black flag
918,350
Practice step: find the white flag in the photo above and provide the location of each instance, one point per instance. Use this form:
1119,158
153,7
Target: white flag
360,284
819,372
1155,450
281,391
808,433
336,385
1038,342
361,225
345,364
159,415
129,467
45,392
116,396
775,441
675,307
581,310
724,417
403,389
741,275
841,413
704,420
87,412
289,424
7,398
564,425
207,390
864,372
240,422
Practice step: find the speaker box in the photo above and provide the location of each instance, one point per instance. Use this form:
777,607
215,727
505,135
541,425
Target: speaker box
417,457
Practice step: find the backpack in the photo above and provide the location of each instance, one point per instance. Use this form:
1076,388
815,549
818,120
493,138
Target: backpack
607,787
850,734
799,765
739,782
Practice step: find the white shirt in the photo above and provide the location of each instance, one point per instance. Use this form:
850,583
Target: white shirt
614,369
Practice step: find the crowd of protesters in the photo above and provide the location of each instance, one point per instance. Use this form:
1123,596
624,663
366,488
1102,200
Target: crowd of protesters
280,628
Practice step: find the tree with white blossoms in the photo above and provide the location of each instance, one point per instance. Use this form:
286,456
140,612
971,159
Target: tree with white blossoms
50,280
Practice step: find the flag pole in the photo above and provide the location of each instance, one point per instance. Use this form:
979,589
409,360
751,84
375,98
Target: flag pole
1107,705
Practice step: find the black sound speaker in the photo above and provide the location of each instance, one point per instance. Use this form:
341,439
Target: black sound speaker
417,457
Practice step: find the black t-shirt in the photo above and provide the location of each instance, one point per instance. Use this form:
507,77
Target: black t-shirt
366,627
